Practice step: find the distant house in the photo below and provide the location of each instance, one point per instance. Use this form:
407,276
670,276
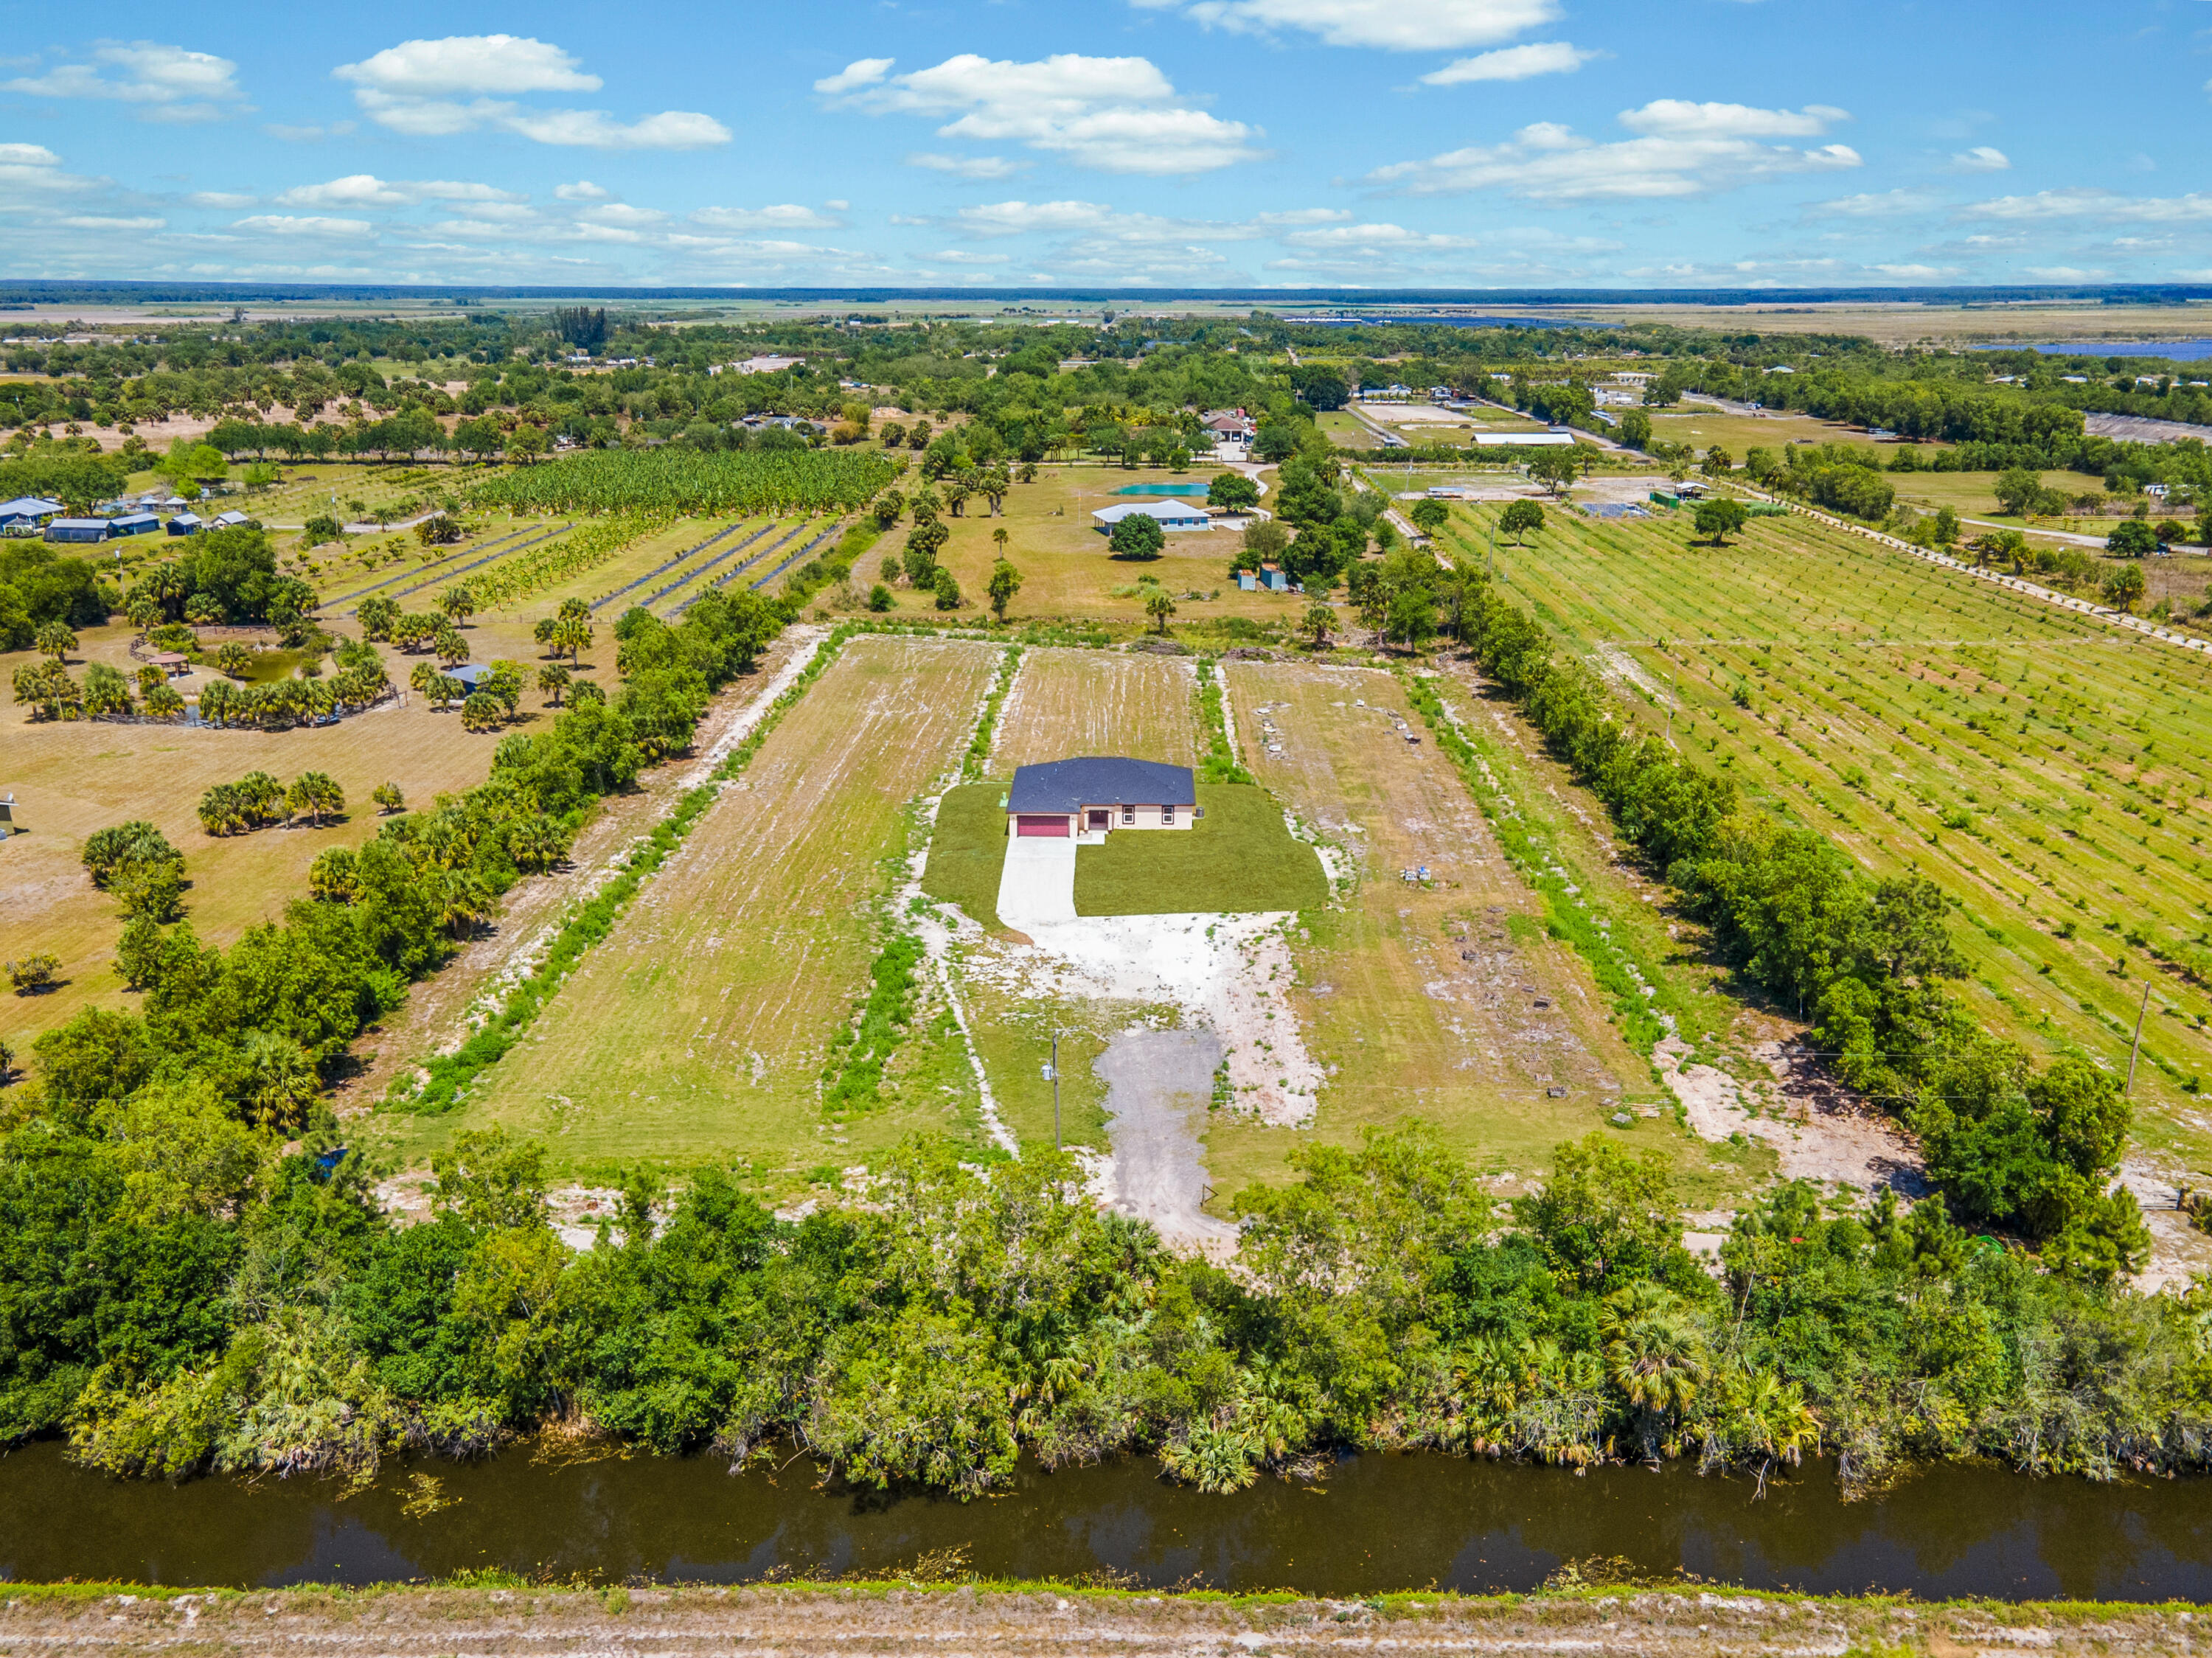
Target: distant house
27,515
135,524
186,524
1522,440
761,365
1094,795
76,529
1172,515
230,520
471,674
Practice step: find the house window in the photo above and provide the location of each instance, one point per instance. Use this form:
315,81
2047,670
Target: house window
1129,814
1167,814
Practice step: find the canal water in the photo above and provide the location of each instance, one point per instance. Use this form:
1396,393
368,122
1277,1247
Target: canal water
1378,1522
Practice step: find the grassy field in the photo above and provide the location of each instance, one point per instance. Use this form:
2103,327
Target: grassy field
1067,703
74,777
2050,773
1067,569
700,1028
1444,1000
1702,428
1239,858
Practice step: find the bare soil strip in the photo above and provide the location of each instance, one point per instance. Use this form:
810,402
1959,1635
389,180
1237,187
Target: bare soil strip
897,1619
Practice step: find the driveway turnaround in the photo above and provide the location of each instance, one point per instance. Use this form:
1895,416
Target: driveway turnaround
1038,886
1155,1082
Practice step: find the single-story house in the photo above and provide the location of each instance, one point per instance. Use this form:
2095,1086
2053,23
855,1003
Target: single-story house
230,520
186,524
27,515
76,529
1095,795
471,674
1268,577
1172,515
135,524
1522,440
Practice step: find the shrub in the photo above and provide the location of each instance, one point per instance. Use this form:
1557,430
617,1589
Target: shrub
33,973
879,598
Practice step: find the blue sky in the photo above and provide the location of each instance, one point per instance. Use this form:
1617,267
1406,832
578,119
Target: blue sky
1004,143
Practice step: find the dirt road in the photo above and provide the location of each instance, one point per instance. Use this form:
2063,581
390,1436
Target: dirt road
1156,1081
951,1623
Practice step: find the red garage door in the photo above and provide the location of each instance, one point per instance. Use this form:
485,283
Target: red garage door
1041,826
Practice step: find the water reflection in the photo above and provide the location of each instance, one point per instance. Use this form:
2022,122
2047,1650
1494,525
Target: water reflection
1380,1522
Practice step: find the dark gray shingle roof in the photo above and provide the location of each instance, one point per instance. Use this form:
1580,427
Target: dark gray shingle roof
1099,781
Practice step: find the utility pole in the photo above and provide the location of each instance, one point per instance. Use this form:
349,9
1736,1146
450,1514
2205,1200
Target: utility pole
1052,1076
2136,1046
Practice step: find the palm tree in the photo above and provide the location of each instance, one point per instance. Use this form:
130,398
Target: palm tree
315,792
1653,1352
957,492
999,539
56,640
1160,607
551,681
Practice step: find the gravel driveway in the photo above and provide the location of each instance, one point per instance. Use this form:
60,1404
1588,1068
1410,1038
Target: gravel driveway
1155,1080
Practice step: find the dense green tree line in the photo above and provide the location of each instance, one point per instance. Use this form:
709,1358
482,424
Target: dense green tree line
177,1297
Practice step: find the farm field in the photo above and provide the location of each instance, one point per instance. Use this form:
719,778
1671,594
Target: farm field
73,777
701,1027
1068,702
2051,773
1445,1001
1703,427
1067,570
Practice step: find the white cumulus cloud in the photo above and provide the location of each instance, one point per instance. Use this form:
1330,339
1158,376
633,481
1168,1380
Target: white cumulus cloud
966,167
167,84
582,191
1982,158
463,83
470,63
2090,203
1683,149
361,190
1116,115
1392,25
1512,64
865,72
286,224
785,216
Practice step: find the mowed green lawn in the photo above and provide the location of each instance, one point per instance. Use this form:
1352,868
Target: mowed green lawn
1238,859
968,849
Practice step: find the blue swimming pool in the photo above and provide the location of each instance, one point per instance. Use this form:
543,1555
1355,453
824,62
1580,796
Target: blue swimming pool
1184,491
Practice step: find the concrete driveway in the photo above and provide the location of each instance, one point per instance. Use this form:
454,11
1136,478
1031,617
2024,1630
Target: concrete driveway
1037,885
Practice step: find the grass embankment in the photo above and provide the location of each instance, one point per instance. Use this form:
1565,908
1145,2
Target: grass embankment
936,1608
1238,859
2048,772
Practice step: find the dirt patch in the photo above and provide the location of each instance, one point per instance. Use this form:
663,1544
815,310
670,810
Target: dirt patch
1819,1129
